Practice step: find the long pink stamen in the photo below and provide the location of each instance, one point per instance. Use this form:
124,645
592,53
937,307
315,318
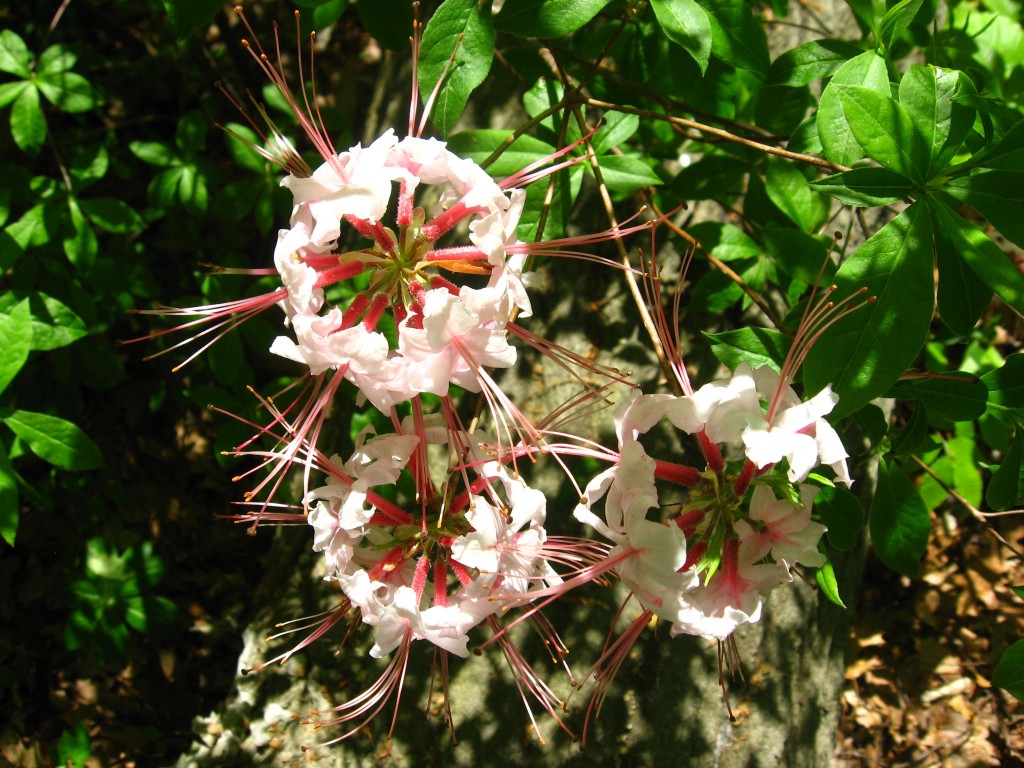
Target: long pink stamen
432,230
680,474
440,584
339,273
373,230
375,312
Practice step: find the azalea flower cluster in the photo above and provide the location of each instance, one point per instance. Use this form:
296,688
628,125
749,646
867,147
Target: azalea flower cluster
445,333
429,531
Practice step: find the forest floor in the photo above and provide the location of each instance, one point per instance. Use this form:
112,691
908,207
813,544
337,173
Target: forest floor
918,684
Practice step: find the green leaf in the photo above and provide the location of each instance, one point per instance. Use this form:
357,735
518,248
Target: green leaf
896,21
54,60
957,396
800,254
866,187
28,126
546,18
929,94
187,18
736,37
810,61
837,139
16,342
617,129
622,173
787,187
10,91
324,15
986,259
686,24
757,346
68,92
899,521
150,614
863,353
14,55
88,164
714,176
10,503
1006,384
388,21
914,437
825,576
962,296
1009,672
480,145
465,28
80,243
153,153
842,513
112,215
1006,488
190,134
53,324
74,747
192,190
725,241
998,195
884,129
55,440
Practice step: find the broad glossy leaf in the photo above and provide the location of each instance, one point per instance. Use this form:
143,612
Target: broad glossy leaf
866,187
389,21
53,324
153,152
884,129
962,296
112,215
1009,672
467,25
55,440
810,61
998,195
10,91
899,521
896,21
68,91
800,254
15,342
787,187
714,176
622,173
55,59
1006,488
618,128
1006,384
825,576
842,513
929,95
914,437
88,164
839,144
757,346
736,37
986,259
478,146
1008,153
546,18
14,55
28,126
726,241
686,24
80,242
957,396
862,354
